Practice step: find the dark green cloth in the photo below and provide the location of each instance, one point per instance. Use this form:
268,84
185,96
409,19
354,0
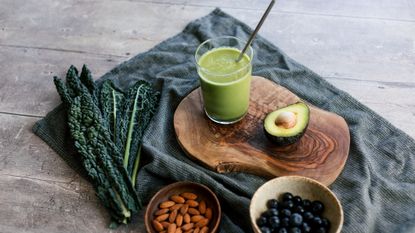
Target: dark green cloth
376,187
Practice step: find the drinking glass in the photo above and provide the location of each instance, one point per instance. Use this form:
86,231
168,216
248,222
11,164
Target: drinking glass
225,83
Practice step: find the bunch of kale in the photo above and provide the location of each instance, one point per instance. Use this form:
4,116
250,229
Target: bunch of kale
107,127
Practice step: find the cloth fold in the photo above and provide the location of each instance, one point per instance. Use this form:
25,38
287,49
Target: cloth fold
376,187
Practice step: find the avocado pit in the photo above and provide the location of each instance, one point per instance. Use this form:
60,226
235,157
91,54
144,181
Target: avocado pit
286,120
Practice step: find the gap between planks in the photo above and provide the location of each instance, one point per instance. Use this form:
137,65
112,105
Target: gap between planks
61,50
49,181
21,114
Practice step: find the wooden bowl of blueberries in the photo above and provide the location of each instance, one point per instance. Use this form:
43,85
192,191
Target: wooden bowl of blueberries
295,204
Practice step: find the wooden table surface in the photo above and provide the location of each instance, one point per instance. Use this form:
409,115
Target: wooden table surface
366,48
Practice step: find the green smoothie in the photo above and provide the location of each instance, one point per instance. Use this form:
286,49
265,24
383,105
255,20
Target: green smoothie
225,83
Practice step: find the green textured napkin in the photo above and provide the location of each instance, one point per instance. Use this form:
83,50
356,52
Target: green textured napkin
376,187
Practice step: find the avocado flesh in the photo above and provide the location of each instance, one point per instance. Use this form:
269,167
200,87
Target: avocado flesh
285,136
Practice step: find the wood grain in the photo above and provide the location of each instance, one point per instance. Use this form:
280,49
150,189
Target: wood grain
351,49
320,154
364,47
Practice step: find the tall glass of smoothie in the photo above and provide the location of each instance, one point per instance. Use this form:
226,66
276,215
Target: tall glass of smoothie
225,83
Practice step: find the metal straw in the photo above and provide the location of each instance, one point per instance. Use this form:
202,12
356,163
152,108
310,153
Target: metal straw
251,38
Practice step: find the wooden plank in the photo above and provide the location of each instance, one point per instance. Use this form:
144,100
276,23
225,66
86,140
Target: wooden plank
116,28
393,101
380,9
38,95
30,205
366,49
23,154
39,192
26,86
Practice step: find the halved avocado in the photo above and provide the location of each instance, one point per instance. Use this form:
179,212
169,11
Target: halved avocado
287,125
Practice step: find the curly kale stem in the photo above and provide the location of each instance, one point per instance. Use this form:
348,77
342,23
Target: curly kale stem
114,114
136,163
131,129
125,212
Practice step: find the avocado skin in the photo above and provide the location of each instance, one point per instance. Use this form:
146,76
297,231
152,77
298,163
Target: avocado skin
285,141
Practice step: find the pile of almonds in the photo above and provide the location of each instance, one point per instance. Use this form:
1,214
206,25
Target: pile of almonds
182,214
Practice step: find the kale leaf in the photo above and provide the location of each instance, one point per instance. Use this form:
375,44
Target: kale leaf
107,127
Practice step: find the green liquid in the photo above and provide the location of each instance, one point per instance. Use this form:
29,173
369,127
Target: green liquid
225,83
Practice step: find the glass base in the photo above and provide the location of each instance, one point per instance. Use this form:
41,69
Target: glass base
222,122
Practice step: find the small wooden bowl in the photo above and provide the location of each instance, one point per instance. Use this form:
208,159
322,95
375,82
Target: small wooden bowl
304,187
203,193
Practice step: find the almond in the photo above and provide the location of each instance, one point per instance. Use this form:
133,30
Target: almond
189,196
193,211
179,220
204,230
189,231
172,228
165,224
187,226
192,203
167,204
178,230
208,213
162,217
184,209
172,216
196,218
157,226
202,207
161,211
197,230
186,218
202,222
176,207
177,199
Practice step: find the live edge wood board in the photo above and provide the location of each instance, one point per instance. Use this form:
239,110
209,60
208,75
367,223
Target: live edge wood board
243,147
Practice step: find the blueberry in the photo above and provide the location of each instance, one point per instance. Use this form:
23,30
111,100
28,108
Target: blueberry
325,223
306,204
297,200
269,213
298,209
285,222
316,222
308,216
320,230
273,203
274,222
317,207
283,230
265,214
287,204
306,227
272,212
287,196
261,221
265,230
296,220
285,212
295,230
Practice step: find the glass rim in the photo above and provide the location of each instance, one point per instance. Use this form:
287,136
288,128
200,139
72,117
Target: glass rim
206,70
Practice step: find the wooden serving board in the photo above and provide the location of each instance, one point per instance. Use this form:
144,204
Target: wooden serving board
320,154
